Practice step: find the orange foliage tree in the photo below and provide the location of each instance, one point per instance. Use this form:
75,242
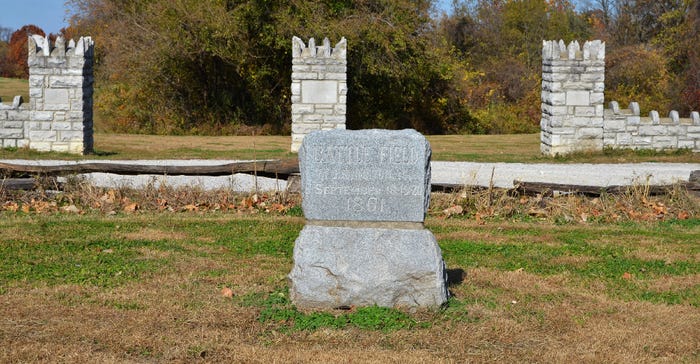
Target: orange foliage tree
17,54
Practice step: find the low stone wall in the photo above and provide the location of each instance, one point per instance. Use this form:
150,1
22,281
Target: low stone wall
58,116
12,120
573,113
625,128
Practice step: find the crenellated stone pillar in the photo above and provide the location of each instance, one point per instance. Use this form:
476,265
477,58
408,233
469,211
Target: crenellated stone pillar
573,85
60,95
319,87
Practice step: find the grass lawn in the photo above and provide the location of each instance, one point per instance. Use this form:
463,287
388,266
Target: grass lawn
11,87
523,148
148,287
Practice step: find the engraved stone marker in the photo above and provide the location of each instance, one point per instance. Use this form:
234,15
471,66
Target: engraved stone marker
365,194
354,176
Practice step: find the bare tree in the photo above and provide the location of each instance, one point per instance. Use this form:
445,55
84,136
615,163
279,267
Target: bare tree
5,34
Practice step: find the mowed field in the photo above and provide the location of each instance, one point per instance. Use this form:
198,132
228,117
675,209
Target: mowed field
523,148
186,287
11,87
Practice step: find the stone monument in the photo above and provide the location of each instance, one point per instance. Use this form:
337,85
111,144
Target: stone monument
365,194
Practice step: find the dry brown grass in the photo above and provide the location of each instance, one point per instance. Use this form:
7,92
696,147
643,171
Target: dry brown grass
522,148
637,204
180,316
482,148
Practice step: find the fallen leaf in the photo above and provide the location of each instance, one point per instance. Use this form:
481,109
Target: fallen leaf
278,207
190,208
108,197
453,210
227,292
659,208
683,215
627,276
11,206
71,209
132,207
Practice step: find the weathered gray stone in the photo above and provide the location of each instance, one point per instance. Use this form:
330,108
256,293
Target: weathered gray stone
673,115
695,117
582,98
654,116
342,266
634,107
615,107
11,133
56,96
65,81
365,175
365,194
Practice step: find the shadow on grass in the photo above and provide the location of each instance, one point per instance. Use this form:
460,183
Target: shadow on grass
102,153
455,276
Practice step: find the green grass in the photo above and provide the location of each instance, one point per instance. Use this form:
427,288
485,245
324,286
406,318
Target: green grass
11,87
276,309
106,252
603,254
110,251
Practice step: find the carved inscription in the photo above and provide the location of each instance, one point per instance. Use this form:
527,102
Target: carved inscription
360,179
359,154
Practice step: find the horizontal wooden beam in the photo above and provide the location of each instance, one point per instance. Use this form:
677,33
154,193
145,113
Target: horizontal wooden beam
267,168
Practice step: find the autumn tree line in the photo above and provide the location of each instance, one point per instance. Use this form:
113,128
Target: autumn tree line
224,66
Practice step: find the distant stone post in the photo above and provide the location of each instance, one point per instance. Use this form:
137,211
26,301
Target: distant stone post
573,85
60,95
365,194
319,87
59,114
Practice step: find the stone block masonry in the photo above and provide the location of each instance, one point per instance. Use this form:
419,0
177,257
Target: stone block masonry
319,87
572,96
365,194
573,113
58,116
626,128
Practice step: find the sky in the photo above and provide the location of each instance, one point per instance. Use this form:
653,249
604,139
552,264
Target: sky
49,15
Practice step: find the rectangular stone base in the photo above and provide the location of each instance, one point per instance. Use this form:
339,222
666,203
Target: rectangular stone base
348,266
